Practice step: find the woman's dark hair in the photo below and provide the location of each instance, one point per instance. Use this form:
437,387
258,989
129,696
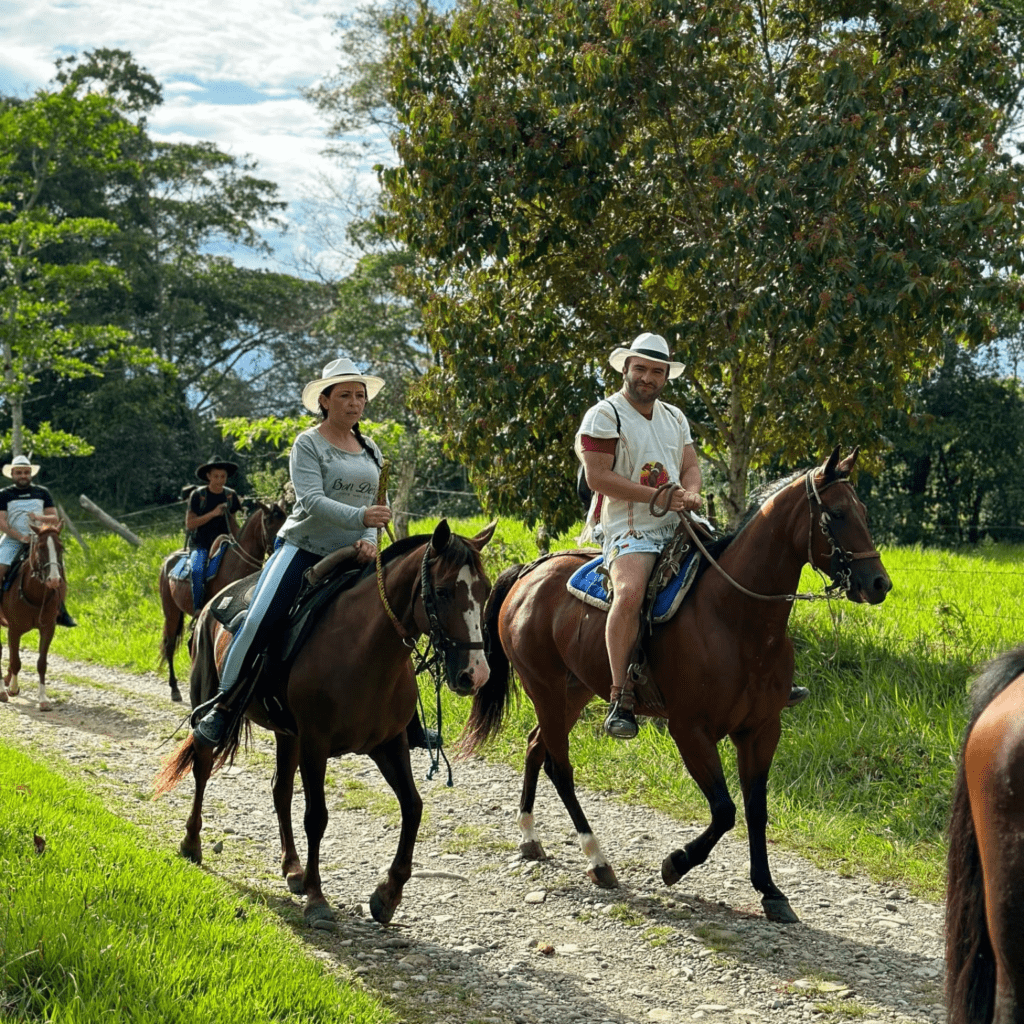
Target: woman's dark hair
367,447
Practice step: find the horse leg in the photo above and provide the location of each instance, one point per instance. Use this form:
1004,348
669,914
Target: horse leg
754,753
283,788
191,847
13,661
700,755
313,766
45,638
392,758
554,756
174,621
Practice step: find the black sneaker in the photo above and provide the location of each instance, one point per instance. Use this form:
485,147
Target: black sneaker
796,695
211,729
620,723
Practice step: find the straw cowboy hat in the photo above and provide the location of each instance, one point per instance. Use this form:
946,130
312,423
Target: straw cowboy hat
203,472
19,460
650,346
334,373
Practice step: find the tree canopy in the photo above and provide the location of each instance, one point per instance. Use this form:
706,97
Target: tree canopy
808,200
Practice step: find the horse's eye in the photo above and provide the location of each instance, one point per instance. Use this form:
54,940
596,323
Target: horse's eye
837,513
444,593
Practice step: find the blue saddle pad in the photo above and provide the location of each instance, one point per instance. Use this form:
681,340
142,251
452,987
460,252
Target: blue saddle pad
194,567
587,584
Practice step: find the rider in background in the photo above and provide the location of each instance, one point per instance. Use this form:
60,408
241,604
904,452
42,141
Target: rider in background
19,504
210,514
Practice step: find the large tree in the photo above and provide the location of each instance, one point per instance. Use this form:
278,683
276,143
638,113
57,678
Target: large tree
806,198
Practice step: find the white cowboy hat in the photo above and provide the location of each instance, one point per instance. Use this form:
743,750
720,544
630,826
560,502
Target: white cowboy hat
19,460
650,346
334,373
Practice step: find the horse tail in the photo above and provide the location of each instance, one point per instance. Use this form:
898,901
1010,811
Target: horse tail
970,962
494,698
176,767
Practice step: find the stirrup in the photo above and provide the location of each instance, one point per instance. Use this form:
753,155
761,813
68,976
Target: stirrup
621,722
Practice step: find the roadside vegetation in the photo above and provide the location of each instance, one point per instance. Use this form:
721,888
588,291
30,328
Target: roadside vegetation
864,770
95,924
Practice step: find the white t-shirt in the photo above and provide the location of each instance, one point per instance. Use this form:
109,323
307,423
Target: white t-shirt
649,451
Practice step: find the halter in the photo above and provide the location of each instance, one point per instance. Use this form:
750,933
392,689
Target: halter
38,572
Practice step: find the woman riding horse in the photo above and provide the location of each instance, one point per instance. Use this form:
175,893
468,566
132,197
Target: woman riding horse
335,472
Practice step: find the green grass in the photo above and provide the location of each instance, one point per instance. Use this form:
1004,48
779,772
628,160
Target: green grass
99,927
864,770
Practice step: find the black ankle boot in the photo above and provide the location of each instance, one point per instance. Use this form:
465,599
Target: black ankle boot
796,695
419,737
64,618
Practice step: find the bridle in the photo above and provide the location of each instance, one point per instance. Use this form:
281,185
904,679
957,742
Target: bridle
39,570
439,645
840,560
265,541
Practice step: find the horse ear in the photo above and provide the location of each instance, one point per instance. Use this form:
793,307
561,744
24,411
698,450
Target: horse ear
442,534
481,539
846,466
830,466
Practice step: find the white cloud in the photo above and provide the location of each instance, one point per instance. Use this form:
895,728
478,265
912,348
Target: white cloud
231,71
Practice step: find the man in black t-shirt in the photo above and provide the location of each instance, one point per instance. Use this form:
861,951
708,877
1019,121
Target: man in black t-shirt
210,514
18,504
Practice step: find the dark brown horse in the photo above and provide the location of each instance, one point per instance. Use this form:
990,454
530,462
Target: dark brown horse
244,556
985,879
723,663
352,690
32,601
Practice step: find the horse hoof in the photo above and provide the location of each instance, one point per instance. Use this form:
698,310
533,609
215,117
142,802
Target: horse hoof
674,866
381,909
3,697
175,695
320,910
603,876
192,853
295,883
13,688
779,910
532,850
45,705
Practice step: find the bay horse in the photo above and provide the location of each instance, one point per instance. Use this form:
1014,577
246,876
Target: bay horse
985,876
723,664
351,689
33,600
243,556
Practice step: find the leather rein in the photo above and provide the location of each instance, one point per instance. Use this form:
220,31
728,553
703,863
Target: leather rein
840,560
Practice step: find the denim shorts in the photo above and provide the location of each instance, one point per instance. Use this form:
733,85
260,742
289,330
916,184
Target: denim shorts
650,543
9,547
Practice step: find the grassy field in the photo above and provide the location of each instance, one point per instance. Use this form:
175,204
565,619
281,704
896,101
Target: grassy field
864,770
95,925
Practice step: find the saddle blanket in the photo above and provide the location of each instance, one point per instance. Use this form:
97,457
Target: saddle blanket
190,567
587,584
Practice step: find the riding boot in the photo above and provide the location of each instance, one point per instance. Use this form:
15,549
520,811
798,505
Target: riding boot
418,736
64,617
621,722
211,729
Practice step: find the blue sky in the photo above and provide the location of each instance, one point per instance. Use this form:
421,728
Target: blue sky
231,73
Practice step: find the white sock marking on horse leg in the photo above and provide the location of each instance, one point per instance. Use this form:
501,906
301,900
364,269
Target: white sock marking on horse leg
525,822
592,850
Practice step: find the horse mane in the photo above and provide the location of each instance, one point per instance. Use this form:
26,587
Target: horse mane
994,677
755,501
456,553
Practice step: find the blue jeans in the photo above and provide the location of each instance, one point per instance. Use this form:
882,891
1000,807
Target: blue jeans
276,590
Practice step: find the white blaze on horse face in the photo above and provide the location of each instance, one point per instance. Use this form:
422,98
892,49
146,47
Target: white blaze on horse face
53,576
477,669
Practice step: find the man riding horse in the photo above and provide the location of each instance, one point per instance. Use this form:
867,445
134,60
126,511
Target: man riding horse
19,504
631,444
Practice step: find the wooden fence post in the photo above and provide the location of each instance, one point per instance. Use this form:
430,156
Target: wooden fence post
71,527
108,521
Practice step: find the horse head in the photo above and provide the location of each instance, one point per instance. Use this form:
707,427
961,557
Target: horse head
839,542
46,557
454,590
272,517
